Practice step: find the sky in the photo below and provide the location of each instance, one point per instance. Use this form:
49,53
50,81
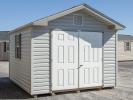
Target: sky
15,13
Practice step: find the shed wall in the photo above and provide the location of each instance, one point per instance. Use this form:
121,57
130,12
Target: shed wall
4,37
40,60
41,50
109,41
20,69
89,23
109,67
4,56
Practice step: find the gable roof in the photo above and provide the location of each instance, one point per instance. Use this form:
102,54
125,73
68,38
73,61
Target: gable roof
122,37
4,35
44,21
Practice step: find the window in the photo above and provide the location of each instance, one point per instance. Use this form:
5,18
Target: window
18,46
6,46
78,19
127,46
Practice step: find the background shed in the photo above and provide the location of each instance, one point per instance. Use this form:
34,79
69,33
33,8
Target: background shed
4,45
125,47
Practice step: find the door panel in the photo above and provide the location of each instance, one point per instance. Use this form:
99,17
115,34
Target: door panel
65,60
71,49
90,59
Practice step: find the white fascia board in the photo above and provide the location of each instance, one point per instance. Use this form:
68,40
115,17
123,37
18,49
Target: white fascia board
104,18
21,27
44,21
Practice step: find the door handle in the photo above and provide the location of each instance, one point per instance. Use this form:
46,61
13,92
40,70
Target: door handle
79,66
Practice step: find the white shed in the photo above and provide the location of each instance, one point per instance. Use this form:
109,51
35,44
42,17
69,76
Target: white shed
72,49
125,47
4,45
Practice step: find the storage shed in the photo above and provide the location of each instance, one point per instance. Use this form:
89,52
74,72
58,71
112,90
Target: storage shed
4,45
72,49
125,47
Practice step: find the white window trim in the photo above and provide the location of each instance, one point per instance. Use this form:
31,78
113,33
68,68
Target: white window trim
129,46
18,57
77,15
7,46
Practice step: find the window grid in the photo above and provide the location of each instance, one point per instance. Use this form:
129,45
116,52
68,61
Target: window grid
18,46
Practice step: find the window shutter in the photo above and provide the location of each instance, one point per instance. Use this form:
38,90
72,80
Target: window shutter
4,46
20,46
15,46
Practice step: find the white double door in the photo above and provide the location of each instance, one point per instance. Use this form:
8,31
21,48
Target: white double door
76,59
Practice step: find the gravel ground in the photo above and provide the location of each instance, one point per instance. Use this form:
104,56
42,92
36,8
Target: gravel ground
125,75
124,91
4,69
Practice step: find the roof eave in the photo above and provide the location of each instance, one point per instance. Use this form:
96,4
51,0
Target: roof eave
120,27
106,18
21,27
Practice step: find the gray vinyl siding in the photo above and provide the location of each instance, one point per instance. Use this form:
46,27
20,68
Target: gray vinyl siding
66,23
109,77
40,61
20,69
4,37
